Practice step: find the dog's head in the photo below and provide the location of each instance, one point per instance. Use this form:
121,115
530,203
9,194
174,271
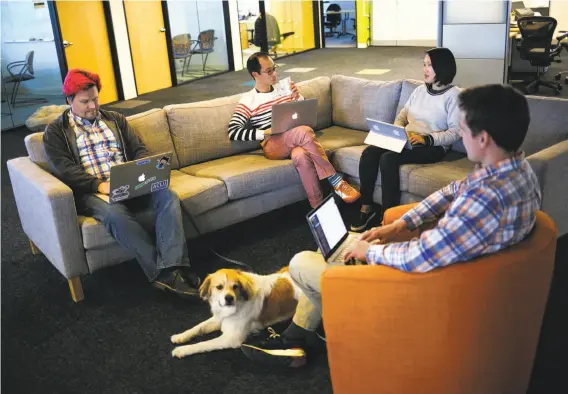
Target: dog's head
227,289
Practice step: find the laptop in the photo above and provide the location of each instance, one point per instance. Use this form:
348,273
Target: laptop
286,116
387,136
330,232
138,177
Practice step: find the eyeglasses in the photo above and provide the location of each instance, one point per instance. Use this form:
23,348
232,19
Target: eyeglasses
270,71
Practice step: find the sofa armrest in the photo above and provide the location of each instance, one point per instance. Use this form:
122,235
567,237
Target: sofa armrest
48,215
551,168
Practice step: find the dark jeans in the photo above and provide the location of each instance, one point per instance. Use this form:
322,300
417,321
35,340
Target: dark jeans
170,248
374,159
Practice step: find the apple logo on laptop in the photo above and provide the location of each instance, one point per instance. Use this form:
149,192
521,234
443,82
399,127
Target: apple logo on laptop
142,178
295,116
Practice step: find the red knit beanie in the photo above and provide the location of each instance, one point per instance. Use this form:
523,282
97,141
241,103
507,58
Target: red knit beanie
78,80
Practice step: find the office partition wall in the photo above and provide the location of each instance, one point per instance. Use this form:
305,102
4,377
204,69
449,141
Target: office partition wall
477,33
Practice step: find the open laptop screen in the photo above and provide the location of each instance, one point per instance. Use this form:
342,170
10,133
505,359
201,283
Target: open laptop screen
327,226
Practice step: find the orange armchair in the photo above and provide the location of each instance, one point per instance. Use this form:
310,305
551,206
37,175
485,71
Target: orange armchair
467,328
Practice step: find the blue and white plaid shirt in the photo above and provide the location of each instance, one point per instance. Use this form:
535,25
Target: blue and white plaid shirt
493,208
98,148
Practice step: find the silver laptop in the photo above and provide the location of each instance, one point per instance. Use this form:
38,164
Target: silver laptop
387,136
138,177
286,116
330,232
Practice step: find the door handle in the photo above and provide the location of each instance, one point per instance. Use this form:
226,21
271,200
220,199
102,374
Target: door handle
163,30
66,44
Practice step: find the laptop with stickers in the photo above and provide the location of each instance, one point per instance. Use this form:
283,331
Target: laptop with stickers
138,177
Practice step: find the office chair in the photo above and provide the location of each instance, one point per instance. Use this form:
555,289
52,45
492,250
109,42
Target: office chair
203,45
181,44
268,34
24,73
332,20
563,35
536,47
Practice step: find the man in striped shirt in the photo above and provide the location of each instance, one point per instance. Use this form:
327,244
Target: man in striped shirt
82,145
491,209
252,121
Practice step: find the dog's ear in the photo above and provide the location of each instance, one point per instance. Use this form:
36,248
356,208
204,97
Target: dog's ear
248,288
204,288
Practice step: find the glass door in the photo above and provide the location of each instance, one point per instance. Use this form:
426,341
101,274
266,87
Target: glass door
289,26
199,38
340,24
31,77
249,12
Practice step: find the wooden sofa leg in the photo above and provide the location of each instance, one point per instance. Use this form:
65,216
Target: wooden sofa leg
76,289
35,249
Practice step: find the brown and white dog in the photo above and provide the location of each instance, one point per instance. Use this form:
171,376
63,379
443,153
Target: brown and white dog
241,303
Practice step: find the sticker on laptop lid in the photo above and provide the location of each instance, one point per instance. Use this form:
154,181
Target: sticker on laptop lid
120,193
142,162
163,161
159,185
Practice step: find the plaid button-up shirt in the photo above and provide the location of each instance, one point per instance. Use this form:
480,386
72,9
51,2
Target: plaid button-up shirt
494,207
98,148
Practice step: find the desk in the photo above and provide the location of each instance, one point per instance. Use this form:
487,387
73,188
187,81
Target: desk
344,19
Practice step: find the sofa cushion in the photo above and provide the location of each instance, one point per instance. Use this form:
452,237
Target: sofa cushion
346,161
355,99
319,88
549,123
153,130
426,179
196,194
248,174
336,137
199,130
408,86
36,150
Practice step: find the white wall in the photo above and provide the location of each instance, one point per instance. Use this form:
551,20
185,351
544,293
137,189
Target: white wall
195,16
559,11
404,22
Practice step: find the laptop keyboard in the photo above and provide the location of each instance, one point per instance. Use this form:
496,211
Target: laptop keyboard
340,253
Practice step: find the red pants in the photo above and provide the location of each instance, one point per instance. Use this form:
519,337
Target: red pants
301,145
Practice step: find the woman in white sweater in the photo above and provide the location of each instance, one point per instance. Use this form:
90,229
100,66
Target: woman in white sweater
431,119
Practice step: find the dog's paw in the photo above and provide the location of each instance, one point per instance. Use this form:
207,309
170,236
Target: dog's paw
178,352
178,338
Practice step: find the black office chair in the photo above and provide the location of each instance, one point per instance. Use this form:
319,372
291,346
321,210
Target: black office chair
536,47
268,34
332,20
564,45
21,71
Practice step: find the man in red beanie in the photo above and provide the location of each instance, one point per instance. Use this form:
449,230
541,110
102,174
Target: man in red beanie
82,145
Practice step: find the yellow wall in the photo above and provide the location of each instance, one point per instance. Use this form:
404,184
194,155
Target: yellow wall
363,22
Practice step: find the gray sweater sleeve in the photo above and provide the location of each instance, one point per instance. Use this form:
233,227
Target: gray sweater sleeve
452,134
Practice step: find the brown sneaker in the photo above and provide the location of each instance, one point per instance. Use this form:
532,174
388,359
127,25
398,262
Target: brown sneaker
178,282
346,192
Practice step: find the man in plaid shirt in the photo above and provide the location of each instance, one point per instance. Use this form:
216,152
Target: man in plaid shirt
82,145
491,209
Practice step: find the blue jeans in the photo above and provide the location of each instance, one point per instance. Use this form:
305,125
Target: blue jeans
170,248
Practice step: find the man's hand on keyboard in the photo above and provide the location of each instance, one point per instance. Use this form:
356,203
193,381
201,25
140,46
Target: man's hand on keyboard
357,251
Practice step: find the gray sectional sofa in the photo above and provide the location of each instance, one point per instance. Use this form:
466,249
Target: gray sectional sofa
221,182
